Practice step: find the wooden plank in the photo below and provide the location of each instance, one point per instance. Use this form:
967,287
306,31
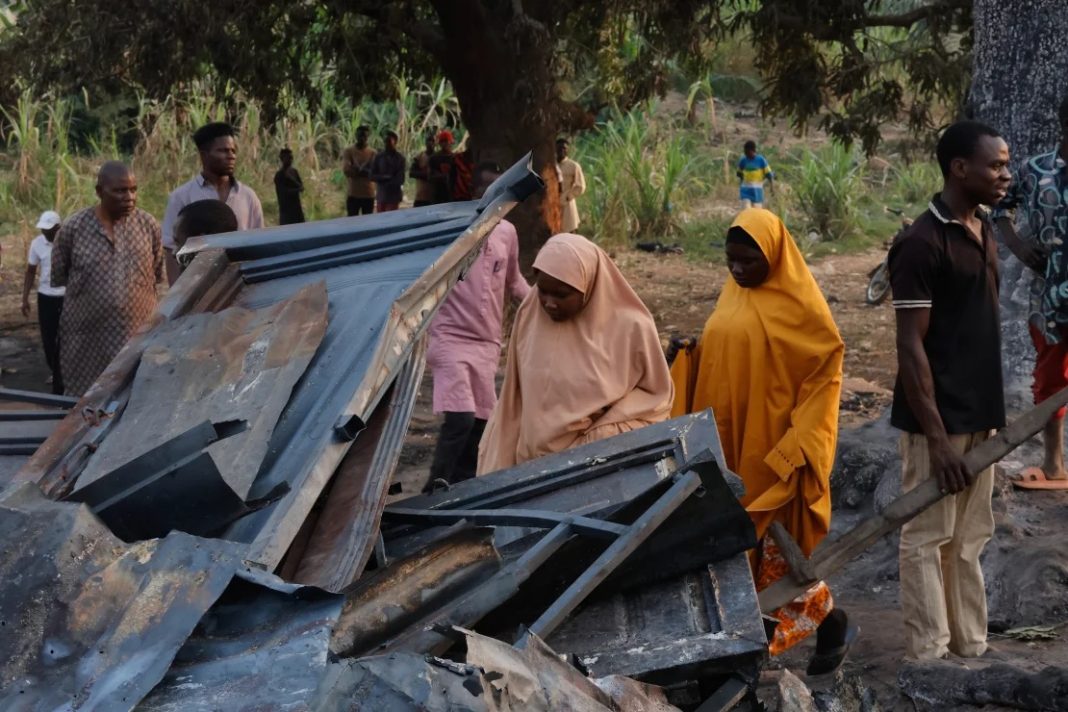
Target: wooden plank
389,601
829,558
800,566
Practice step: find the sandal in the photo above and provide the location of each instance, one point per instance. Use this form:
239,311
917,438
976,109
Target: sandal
828,662
1034,478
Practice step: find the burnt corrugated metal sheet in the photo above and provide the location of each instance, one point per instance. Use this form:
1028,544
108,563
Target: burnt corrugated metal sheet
340,544
385,276
593,480
89,622
237,364
340,383
495,678
98,622
385,280
263,646
689,627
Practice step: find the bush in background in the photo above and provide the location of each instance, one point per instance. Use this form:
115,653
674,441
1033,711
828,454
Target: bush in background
826,186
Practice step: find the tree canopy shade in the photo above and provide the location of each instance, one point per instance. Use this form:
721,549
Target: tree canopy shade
523,70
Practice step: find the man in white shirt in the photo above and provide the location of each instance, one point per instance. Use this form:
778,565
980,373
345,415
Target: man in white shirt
217,146
49,298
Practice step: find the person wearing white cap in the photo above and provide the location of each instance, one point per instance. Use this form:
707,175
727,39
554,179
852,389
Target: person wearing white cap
49,298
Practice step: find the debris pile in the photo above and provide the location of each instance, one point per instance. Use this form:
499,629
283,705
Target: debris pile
207,529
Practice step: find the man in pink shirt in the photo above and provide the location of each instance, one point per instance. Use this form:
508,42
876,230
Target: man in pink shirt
465,347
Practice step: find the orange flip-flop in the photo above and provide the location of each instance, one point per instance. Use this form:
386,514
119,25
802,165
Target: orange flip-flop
1033,478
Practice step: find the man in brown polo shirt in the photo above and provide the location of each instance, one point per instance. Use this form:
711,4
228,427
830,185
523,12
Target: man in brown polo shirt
356,163
948,397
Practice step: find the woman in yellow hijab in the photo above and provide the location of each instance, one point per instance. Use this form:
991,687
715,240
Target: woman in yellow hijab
769,364
584,363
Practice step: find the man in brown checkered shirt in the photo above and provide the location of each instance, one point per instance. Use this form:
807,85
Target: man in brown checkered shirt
110,258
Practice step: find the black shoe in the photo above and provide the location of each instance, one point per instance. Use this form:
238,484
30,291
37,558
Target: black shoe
435,485
829,657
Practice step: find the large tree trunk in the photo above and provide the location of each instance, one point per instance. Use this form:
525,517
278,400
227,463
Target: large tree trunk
501,67
1020,75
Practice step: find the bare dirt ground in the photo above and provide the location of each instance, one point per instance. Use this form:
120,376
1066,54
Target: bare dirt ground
1026,564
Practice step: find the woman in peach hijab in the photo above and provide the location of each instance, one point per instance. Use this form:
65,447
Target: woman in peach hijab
584,363
769,364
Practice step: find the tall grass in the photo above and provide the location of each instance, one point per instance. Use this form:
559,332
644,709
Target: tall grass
826,186
651,174
917,182
638,172
40,168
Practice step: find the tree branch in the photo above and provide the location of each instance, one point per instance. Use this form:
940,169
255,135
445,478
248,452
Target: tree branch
903,20
910,18
425,34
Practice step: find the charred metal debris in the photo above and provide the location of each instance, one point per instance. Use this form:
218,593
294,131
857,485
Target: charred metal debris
207,528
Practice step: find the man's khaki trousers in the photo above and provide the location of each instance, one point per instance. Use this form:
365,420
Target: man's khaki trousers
943,597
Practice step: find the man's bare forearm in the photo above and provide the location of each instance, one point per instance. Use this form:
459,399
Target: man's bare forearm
918,383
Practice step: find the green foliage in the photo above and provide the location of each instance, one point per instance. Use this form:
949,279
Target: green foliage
852,67
637,173
917,182
826,186
41,168
37,134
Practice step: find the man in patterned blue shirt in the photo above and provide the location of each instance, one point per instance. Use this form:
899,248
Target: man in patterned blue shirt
1037,237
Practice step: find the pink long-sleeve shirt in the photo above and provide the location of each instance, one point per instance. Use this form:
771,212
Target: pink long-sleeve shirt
465,336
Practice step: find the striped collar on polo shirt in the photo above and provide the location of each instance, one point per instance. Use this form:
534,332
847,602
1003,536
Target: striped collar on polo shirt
940,211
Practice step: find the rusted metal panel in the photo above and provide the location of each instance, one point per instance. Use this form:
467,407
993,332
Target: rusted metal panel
378,309
346,529
674,530
398,597
429,636
107,622
89,622
58,461
238,364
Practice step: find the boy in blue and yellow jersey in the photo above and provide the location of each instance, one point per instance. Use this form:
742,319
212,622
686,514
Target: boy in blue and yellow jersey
753,170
